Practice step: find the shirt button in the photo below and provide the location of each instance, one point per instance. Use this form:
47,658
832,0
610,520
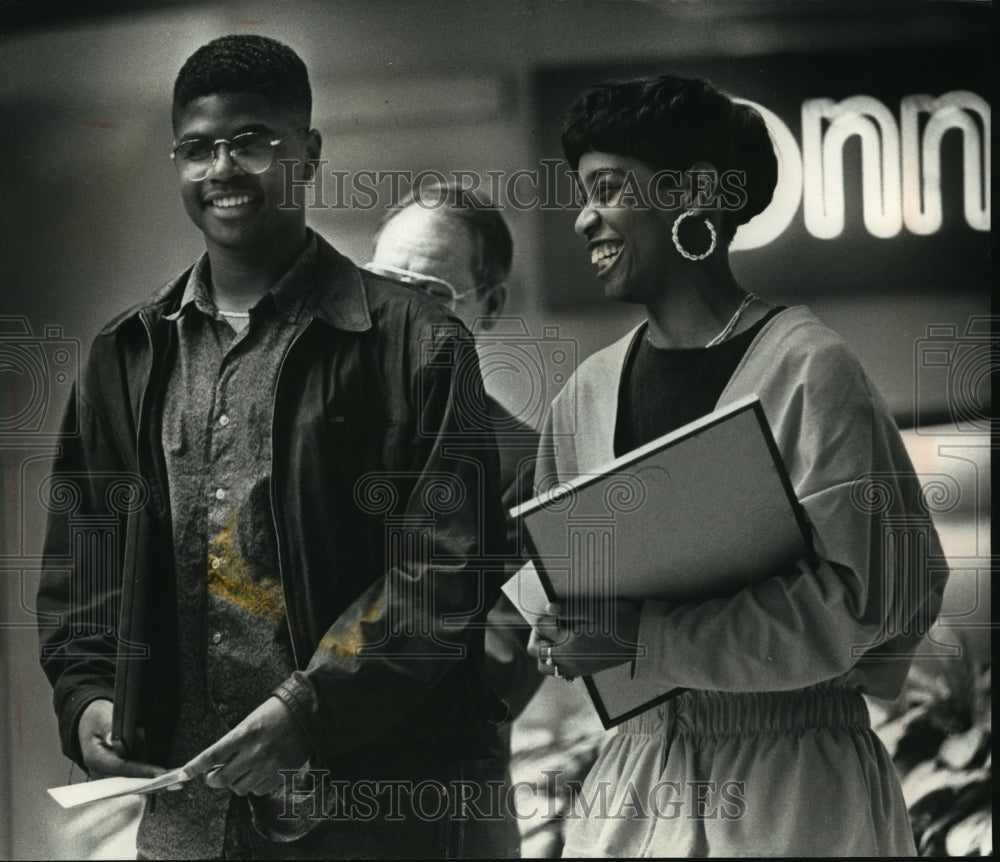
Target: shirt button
216,562
223,420
220,493
217,638
223,708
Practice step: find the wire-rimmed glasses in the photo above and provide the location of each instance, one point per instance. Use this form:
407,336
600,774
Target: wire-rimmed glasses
251,152
442,290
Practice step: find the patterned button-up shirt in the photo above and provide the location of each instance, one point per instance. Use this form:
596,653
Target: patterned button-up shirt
233,640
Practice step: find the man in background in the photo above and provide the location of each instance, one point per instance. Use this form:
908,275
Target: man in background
453,245
460,250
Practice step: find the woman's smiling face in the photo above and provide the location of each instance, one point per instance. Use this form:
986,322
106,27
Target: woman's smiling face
627,218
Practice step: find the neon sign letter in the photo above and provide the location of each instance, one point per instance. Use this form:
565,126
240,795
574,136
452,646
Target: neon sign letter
823,165
922,159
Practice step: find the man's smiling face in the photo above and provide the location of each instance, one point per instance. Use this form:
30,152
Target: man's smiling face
235,209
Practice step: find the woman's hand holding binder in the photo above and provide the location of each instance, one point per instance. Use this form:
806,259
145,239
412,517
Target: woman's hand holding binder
585,643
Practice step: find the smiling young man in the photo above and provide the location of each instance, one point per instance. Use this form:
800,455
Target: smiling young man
294,421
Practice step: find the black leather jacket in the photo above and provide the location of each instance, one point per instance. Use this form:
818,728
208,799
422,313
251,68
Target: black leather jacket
387,512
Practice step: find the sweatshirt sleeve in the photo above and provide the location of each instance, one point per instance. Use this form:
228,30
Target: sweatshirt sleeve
875,583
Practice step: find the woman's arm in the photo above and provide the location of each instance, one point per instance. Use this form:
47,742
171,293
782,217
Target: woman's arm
875,584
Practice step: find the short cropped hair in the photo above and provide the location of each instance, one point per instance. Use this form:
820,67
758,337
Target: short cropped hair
241,63
493,247
671,123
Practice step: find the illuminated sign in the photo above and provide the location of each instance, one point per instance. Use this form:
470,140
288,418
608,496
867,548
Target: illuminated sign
900,166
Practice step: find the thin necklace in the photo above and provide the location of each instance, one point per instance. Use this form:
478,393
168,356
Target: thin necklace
722,336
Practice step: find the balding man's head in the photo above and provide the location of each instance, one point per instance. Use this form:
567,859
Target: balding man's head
453,236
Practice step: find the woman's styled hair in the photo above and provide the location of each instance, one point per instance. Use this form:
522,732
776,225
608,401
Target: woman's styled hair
671,123
241,63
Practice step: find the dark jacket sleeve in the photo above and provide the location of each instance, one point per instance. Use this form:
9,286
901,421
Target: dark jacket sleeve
511,670
444,556
79,588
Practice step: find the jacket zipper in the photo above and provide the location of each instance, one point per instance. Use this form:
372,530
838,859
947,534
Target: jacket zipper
139,425
274,501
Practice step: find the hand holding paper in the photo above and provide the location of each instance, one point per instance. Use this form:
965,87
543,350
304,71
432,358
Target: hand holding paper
246,760
253,753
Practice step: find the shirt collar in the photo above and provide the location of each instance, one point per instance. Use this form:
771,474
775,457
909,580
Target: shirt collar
289,294
195,291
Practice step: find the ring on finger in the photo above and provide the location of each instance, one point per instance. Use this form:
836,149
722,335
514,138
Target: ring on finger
548,656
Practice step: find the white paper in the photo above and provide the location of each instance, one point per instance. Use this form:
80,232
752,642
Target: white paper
71,795
526,593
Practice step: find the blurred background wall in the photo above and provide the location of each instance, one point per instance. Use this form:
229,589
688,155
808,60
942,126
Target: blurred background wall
91,220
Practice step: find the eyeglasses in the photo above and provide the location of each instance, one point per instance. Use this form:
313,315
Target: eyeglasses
442,290
251,152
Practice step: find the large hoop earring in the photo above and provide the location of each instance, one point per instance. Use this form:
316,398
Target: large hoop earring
677,242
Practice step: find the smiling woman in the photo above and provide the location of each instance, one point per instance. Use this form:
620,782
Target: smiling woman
696,154
772,676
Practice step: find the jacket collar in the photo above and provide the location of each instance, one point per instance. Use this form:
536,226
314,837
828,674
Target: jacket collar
340,299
